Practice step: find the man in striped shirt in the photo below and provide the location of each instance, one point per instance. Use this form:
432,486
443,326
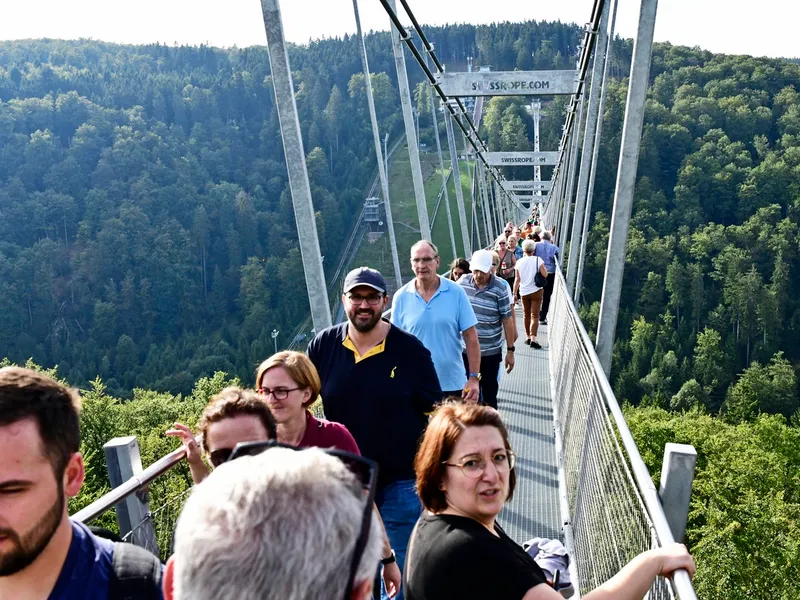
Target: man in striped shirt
489,298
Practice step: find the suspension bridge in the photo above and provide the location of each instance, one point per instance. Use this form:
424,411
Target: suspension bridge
581,478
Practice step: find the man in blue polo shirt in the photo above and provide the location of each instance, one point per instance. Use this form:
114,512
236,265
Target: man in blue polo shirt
548,252
437,311
44,554
380,383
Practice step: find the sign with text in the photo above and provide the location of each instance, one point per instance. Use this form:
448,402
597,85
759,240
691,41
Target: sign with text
527,199
521,159
509,83
527,186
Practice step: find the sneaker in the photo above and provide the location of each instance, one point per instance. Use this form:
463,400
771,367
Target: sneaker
527,342
535,344
542,321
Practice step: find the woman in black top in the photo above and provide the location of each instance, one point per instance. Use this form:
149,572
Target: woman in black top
465,474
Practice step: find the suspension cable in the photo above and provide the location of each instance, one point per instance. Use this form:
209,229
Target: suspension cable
471,132
589,38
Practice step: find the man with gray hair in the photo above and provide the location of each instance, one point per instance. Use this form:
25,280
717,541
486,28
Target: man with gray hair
281,525
547,251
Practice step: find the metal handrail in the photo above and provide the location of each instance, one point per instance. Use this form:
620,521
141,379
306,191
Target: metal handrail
644,482
131,486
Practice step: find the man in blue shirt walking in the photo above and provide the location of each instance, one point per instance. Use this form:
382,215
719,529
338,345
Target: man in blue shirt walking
43,554
547,251
437,311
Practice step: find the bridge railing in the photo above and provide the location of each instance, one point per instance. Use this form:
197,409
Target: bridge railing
611,506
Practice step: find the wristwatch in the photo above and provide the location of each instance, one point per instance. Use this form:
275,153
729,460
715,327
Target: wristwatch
475,375
389,559
510,349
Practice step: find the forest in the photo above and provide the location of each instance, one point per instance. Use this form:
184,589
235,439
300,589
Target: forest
148,245
146,228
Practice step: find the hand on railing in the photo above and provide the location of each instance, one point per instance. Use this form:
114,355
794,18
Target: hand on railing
197,467
674,557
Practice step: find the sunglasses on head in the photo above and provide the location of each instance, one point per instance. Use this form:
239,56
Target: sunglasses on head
365,470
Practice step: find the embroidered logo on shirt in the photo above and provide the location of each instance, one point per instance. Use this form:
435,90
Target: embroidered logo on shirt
391,376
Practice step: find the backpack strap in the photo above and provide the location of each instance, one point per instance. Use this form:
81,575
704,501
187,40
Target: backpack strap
136,574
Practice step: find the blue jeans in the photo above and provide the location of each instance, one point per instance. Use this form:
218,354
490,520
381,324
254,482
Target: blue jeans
400,508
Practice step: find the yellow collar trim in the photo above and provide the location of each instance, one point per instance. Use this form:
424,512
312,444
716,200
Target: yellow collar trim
348,343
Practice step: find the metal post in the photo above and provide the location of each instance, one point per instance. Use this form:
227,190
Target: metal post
446,196
411,136
595,153
502,204
677,475
565,204
487,217
588,146
497,205
124,462
376,137
537,115
626,179
296,165
573,175
386,155
462,214
473,219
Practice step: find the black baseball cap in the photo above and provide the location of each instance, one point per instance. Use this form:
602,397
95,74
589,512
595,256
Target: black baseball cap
365,276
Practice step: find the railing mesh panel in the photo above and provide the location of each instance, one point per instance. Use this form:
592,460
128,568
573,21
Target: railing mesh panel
610,524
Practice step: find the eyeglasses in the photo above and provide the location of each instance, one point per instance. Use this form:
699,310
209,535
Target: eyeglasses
424,259
501,244
474,467
364,469
372,299
277,393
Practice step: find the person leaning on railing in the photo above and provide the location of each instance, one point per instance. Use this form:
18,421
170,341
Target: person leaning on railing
233,415
465,474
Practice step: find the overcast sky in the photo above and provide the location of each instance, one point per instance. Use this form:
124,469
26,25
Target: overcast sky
766,27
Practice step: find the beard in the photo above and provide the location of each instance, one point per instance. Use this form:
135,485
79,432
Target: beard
364,325
27,548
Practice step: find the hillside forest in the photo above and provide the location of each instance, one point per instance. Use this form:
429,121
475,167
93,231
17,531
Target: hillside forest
148,245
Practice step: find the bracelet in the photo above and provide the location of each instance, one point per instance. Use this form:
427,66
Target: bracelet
389,559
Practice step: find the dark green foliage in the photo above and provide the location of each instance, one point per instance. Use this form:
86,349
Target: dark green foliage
146,228
744,516
712,276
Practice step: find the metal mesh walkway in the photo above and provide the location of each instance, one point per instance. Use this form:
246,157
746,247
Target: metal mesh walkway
527,408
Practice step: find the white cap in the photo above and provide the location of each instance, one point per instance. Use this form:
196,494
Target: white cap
481,261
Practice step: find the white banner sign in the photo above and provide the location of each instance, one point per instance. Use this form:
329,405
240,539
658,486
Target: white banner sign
527,186
543,199
521,159
509,83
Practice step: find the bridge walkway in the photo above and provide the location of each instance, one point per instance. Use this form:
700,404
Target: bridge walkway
526,405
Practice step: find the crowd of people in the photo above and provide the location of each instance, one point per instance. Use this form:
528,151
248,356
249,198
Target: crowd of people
394,494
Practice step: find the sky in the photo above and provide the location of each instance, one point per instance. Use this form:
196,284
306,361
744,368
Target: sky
763,28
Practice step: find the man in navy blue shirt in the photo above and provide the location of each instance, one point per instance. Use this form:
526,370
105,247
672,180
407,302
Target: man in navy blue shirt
43,554
379,381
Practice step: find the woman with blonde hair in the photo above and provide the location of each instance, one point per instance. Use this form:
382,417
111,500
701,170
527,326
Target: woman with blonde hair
289,383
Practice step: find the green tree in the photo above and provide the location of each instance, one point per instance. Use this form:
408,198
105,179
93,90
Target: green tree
770,389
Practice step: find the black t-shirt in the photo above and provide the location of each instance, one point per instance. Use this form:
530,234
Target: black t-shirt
381,399
457,558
